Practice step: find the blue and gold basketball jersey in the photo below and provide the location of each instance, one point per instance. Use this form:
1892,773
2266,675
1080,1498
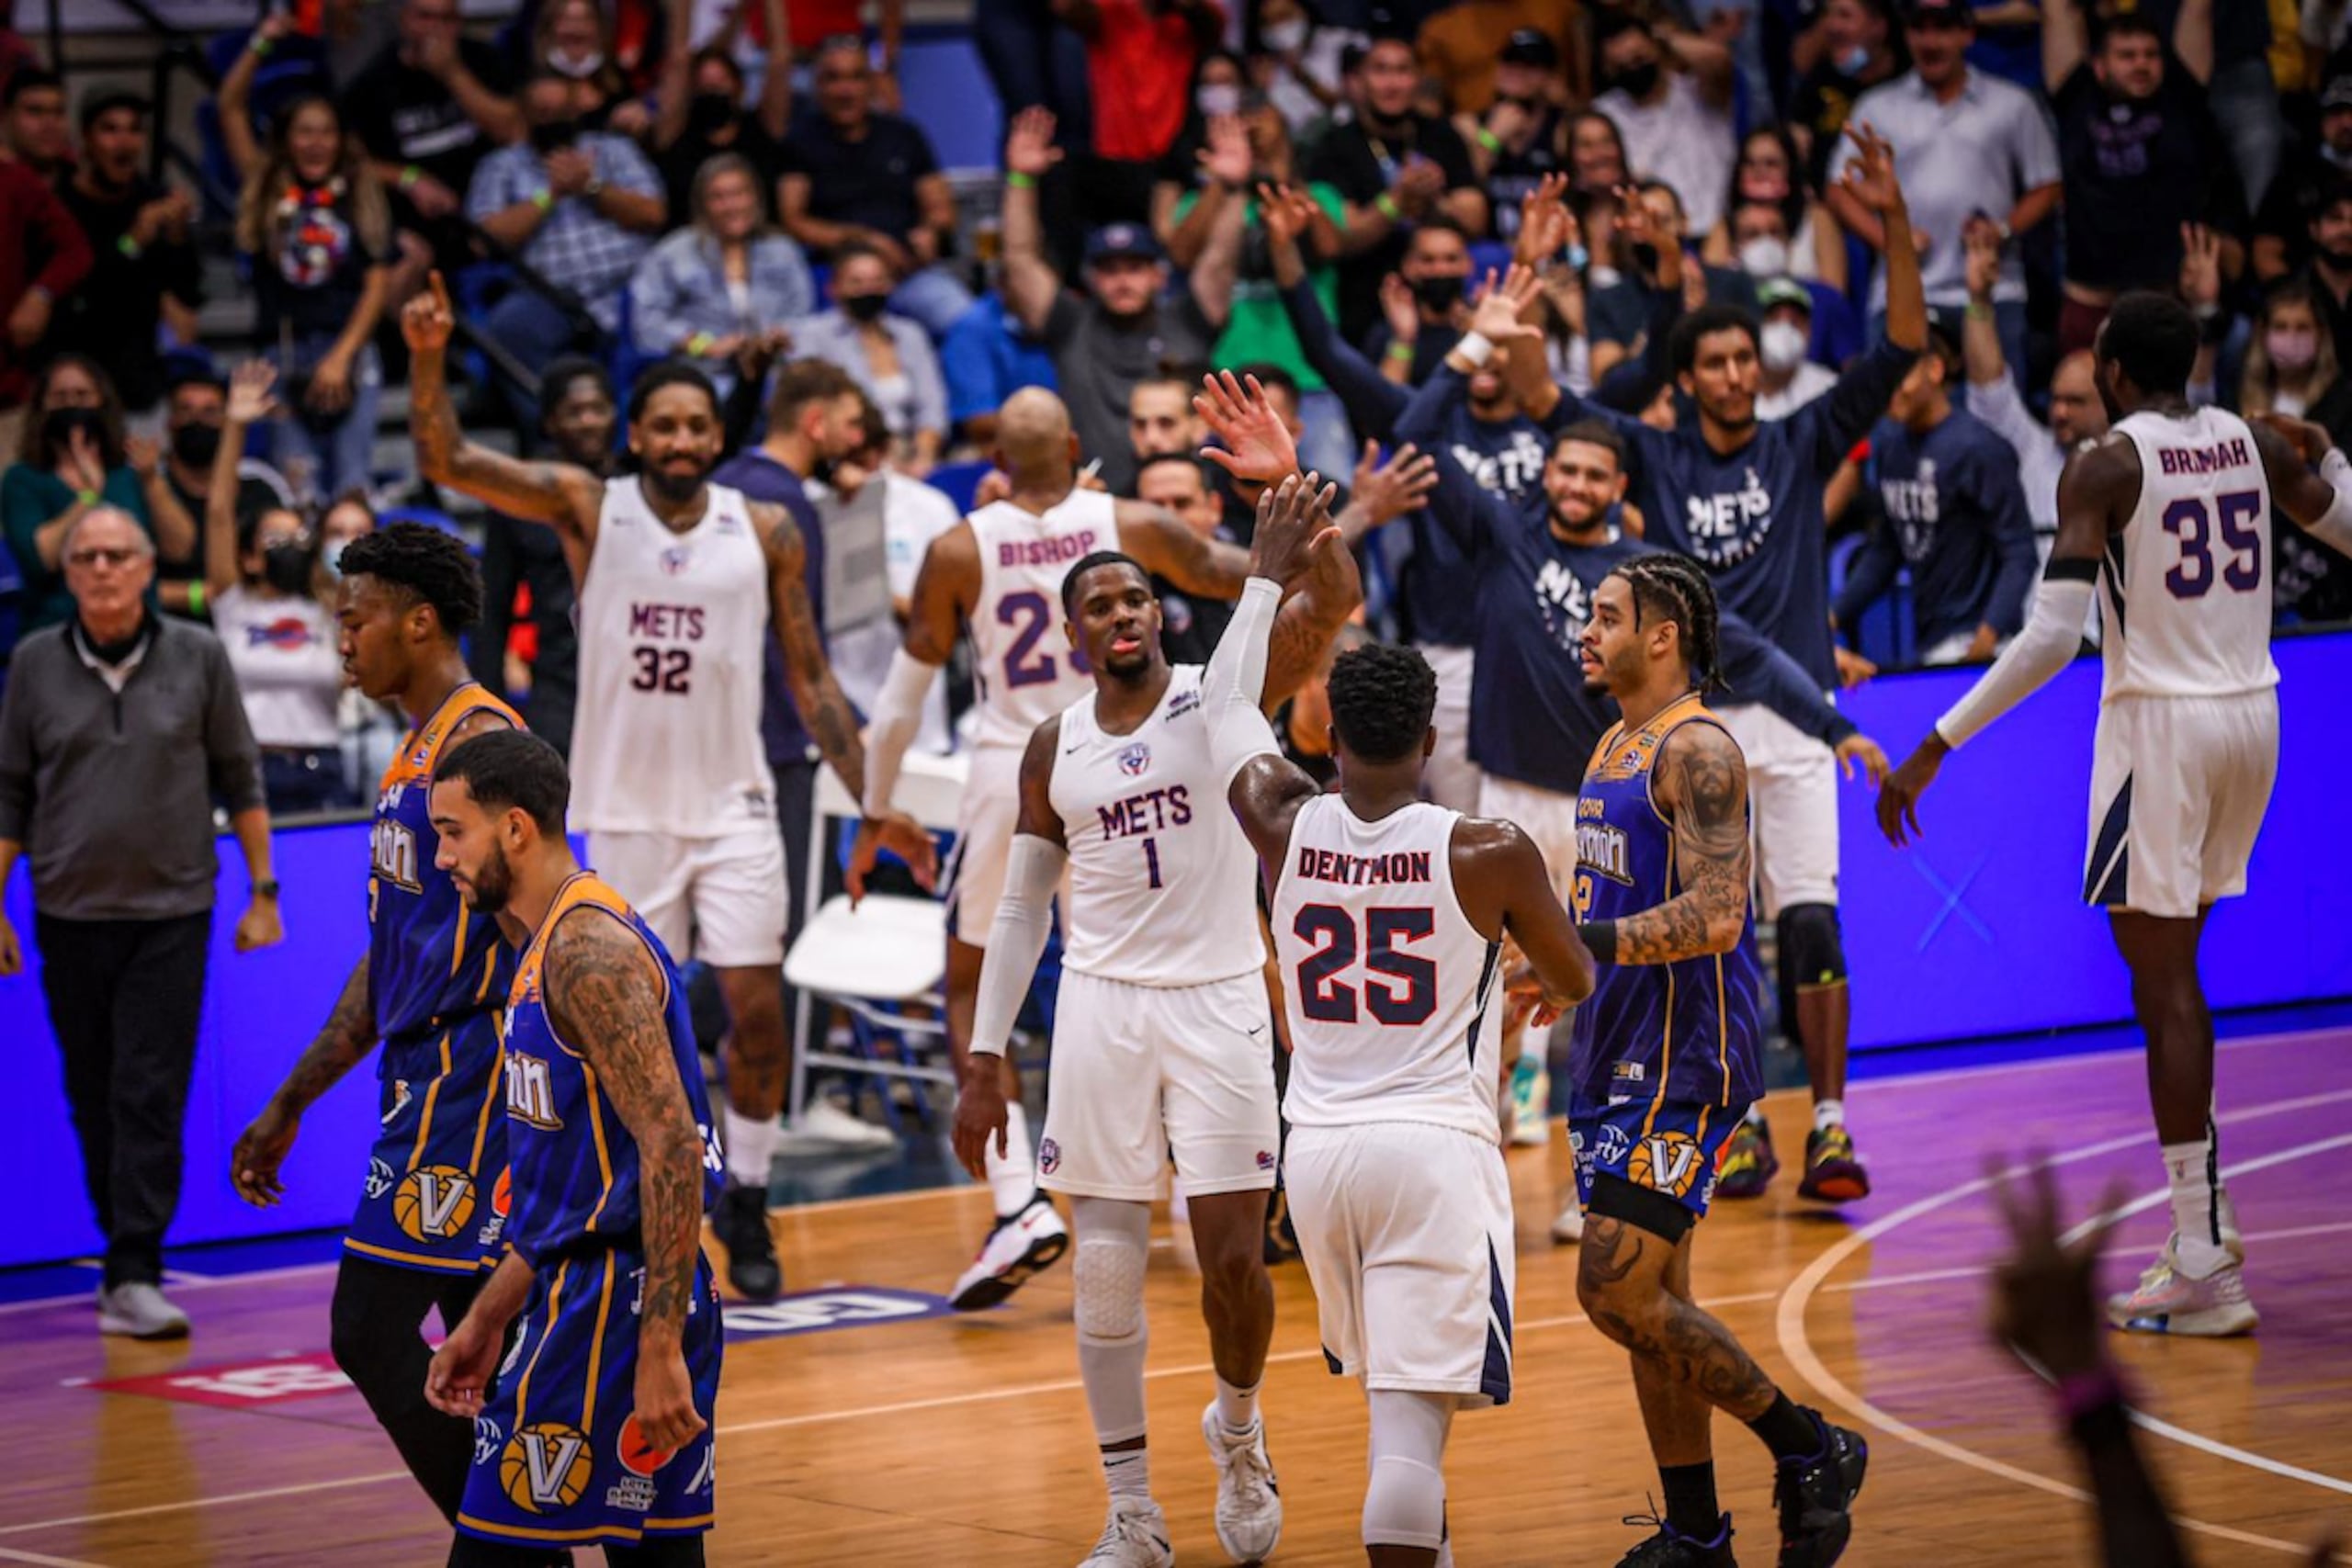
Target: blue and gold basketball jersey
574,1165
1688,1030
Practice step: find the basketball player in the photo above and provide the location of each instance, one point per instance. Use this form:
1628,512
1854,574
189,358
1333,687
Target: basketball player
2170,514
430,990
598,1431
1743,496
1667,1056
1401,1204
1160,1042
997,577
680,581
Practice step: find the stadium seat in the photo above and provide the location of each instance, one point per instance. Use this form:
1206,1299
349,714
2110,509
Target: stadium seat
959,481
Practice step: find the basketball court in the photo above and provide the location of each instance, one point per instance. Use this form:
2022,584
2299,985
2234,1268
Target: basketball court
861,1424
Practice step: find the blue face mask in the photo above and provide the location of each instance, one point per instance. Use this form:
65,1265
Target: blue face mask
1855,60
1577,257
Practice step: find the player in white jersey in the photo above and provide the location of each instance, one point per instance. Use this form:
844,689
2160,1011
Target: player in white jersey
1389,916
679,582
1162,1040
2171,514
998,576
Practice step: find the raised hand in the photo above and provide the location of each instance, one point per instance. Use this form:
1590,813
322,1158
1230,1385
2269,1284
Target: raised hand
250,401
1983,243
1285,210
1292,518
1400,309
83,465
1029,147
1546,225
1256,444
426,321
2045,1294
1870,178
1632,219
2200,265
1497,317
1226,157
141,453
1387,490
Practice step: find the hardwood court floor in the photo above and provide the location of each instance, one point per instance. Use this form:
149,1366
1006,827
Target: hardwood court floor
965,1441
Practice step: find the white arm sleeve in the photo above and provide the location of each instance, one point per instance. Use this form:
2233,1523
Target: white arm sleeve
1017,940
1234,687
2046,645
897,715
2333,526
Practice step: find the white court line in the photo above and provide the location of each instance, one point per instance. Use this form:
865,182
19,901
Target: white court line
1798,1347
8,1556
1933,1276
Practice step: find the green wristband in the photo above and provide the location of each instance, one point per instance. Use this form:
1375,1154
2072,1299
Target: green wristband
1386,205
195,598
1019,181
1489,140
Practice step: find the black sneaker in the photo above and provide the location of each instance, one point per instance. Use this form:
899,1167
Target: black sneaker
1815,1497
741,1223
1670,1548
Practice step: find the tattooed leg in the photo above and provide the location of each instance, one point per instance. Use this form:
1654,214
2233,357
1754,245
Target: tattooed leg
1678,1417
1621,1282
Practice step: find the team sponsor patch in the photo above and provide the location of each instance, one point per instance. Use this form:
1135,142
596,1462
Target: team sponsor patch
820,1311
1050,1155
240,1385
1135,761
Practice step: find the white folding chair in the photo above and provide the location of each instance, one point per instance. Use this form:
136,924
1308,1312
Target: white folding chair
883,958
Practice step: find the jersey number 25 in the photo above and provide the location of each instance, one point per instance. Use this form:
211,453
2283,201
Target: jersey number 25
1408,995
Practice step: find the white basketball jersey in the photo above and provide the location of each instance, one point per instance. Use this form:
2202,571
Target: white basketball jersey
2186,586
673,630
1392,992
1024,665
1163,884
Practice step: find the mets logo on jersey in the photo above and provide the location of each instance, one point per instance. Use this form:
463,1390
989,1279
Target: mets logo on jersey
1050,1155
434,1202
545,1467
675,559
1136,760
1665,1162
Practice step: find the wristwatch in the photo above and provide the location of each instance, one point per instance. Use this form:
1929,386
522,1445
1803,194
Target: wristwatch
266,889
593,188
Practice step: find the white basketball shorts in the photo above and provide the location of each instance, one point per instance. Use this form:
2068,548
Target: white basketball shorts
1143,1072
720,900
1406,1229
1452,778
2178,789
1792,796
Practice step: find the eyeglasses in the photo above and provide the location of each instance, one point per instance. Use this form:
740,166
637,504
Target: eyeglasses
102,557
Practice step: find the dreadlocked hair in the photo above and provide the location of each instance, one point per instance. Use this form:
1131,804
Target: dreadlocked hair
1676,588
429,566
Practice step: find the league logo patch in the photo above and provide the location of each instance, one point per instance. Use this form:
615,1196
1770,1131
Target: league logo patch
1265,1159
1049,1157
1136,760
675,559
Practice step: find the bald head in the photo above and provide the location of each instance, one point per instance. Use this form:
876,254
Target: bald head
1033,437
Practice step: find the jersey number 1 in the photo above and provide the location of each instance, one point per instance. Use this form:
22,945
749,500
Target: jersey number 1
1325,998
2188,521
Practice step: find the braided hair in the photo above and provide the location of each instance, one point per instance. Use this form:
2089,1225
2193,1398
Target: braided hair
1676,588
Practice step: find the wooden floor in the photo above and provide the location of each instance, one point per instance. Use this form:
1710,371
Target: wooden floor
965,1441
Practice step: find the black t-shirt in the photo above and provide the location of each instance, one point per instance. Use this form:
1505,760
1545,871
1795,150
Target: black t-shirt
1360,167
403,115
111,315
692,150
1512,176
2294,199
2134,171
311,277
870,182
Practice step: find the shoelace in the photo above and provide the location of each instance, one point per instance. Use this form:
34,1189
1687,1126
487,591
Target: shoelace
1128,1528
1253,1468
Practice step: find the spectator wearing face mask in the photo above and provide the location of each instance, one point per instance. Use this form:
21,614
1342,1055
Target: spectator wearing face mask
1424,305
573,41
194,407
1763,252
701,114
1669,93
1852,47
1789,379
888,355
2291,365
1810,246
263,584
1295,59
1521,135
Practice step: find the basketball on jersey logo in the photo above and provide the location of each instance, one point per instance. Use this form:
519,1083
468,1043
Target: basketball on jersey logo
1665,1162
638,1456
434,1202
1135,761
545,1467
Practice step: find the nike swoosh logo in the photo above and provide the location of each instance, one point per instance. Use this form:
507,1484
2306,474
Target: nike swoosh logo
1073,751
1257,1031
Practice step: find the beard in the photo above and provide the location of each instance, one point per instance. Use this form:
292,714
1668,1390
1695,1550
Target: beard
1563,521
493,886
676,488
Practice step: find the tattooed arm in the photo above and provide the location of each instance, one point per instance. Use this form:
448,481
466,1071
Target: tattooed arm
815,692
603,996
1156,536
262,1147
1701,783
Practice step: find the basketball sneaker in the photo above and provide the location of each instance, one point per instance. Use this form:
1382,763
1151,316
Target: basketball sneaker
1248,1499
1135,1535
1815,1497
1018,1246
1530,1094
1567,1227
1748,1164
2169,1301
740,1224
139,1310
1670,1548
1832,1173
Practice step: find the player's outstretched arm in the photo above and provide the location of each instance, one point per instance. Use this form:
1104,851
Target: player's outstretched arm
1164,544
2318,503
1505,889
2096,494
344,1040
1700,782
1016,940
605,999
559,494
946,585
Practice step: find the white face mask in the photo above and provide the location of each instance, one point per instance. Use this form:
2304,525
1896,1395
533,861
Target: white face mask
1765,256
1283,36
578,70
1215,98
1782,346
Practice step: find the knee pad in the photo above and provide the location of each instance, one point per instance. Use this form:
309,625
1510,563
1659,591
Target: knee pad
1812,951
1107,1270
1404,1503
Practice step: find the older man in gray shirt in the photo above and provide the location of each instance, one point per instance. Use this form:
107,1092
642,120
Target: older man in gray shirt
117,730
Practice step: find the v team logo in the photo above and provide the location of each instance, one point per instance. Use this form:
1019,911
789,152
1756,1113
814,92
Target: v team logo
434,1202
545,1468
1665,1162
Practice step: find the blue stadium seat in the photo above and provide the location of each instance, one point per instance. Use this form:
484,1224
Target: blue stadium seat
958,481
947,93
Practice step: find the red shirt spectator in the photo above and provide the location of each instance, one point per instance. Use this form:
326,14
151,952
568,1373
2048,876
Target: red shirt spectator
35,273
1139,60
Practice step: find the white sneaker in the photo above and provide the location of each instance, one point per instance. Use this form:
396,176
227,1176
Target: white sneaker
1135,1535
1567,1229
2168,1302
141,1310
1530,1093
1248,1500
1017,1249
822,1124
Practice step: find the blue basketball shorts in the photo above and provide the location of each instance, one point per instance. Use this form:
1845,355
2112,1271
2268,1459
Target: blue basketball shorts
436,1194
1671,1147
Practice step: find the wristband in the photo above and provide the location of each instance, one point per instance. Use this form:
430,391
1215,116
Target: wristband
409,175
1399,350
131,248
261,47
1386,205
544,200
1980,312
2336,467
1019,181
1475,348
1600,939
1489,140
194,597
87,497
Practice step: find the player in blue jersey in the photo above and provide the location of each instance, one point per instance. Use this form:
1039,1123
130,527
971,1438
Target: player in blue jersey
595,1431
430,990
1667,1058
1743,496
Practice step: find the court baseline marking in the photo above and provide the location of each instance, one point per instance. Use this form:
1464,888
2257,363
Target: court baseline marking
1797,1345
